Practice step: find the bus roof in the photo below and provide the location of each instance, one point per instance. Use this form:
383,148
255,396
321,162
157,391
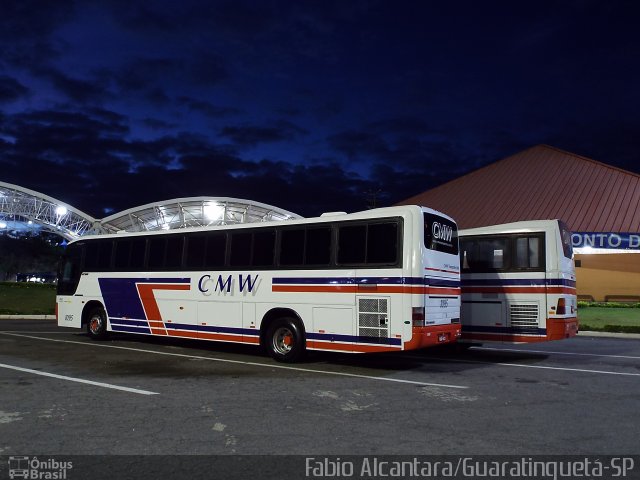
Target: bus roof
525,226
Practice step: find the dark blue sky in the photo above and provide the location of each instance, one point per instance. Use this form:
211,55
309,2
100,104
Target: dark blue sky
309,106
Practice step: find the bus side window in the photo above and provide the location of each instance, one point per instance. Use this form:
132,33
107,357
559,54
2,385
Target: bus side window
485,254
317,252
104,256
138,249
196,247
240,255
91,257
493,254
352,241
98,255
292,247
382,243
173,255
156,253
216,250
264,243
469,254
528,252
122,255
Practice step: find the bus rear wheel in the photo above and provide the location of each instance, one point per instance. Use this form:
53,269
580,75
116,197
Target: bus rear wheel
97,323
285,341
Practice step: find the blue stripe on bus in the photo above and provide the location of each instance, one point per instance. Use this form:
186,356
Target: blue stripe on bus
436,282
118,328
529,282
121,296
353,339
186,326
134,323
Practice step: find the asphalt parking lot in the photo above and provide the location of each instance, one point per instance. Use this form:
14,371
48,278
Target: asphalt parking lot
63,394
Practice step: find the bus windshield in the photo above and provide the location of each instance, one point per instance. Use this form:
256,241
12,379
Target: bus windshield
565,236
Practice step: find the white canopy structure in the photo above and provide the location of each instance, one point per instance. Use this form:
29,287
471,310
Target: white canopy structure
194,212
21,206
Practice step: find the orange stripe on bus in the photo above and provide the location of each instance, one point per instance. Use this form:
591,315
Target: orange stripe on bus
150,305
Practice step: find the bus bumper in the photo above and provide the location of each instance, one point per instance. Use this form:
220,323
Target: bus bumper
559,328
433,335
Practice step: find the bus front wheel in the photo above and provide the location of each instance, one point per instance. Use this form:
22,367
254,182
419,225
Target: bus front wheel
97,323
285,341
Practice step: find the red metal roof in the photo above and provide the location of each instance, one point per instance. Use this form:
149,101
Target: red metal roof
540,183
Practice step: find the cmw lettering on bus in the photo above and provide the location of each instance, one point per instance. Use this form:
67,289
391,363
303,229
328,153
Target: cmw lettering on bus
209,284
442,232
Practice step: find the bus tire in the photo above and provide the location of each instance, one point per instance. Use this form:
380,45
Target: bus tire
97,324
285,340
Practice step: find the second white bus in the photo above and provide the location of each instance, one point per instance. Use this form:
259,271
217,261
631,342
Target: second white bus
375,281
518,283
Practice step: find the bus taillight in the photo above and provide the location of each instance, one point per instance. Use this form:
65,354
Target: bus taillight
417,316
562,307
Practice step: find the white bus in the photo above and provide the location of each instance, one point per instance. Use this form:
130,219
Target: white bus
381,280
518,283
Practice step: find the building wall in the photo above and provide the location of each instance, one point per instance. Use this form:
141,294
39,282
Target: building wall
612,277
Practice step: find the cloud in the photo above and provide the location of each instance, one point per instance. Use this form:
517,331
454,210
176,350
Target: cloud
11,89
359,143
252,135
158,124
207,69
207,108
25,29
86,160
75,89
406,143
74,139
153,77
143,74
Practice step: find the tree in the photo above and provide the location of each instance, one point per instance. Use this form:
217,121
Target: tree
29,254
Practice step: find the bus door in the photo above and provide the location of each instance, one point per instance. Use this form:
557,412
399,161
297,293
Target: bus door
332,320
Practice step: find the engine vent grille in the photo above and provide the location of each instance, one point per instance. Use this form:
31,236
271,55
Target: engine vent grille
373,317
523,315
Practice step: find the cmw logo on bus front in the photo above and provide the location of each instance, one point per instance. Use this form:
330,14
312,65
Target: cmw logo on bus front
222,284
442,232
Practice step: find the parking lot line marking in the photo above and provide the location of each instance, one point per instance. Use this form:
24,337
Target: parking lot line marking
606,372
43,333
255,364
556,353
78,380
545,367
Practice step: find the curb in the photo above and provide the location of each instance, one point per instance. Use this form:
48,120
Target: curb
27,317
589,333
